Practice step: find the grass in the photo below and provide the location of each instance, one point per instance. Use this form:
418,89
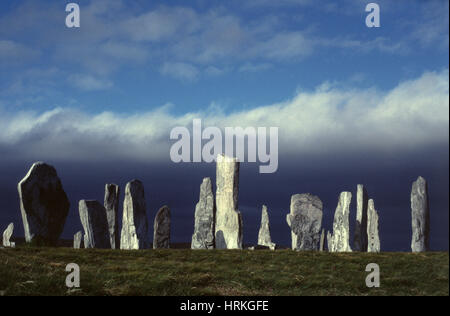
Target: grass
41,271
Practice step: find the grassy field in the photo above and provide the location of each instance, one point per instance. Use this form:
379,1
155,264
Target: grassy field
41,271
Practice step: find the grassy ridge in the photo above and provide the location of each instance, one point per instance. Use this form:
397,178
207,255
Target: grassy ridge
41,271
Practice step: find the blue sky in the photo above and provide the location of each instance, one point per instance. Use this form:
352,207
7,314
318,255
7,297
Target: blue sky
133,56
353,104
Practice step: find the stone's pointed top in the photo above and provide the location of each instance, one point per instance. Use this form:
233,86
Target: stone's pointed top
206,180
224,158
421,179
41,169
134,182
306,198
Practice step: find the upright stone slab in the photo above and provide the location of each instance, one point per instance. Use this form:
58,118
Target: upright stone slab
329,236
134,233
264,238
360,238
161,232
203,237
77,240
340,239
7,235
322,240
372,228
111,202
420,215
305,221
228,228
43,203
95,224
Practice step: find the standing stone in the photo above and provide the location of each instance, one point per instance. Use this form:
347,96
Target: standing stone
340,239
305,221
134,233
203,237
95,224
420,215
228,228
111,203
322,240
329,241
77,240
360,240
264,238
43,203
161,236
7,235
372,228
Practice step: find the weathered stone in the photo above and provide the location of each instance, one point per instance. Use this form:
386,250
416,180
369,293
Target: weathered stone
264,238
340,239
43,203
228,227
95,224
111,202
203,237
77,240
360,238
7,235
161,232
305,221
329,241
134,233
322,240
420,216
372,228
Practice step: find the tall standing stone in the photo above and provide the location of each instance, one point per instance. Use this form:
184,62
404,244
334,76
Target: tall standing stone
77,240
161,232
420,215
228,228
305,221
203,237
43,203
372,228
134,233
360,238
264,238
340,239
111,202
95,224
7,235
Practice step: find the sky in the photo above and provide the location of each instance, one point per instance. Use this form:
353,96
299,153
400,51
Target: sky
353,104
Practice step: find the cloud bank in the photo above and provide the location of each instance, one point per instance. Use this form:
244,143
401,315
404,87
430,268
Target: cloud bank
328,120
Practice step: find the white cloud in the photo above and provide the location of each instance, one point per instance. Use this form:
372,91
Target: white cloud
13,51
90,83
180,71
250,67
326,121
